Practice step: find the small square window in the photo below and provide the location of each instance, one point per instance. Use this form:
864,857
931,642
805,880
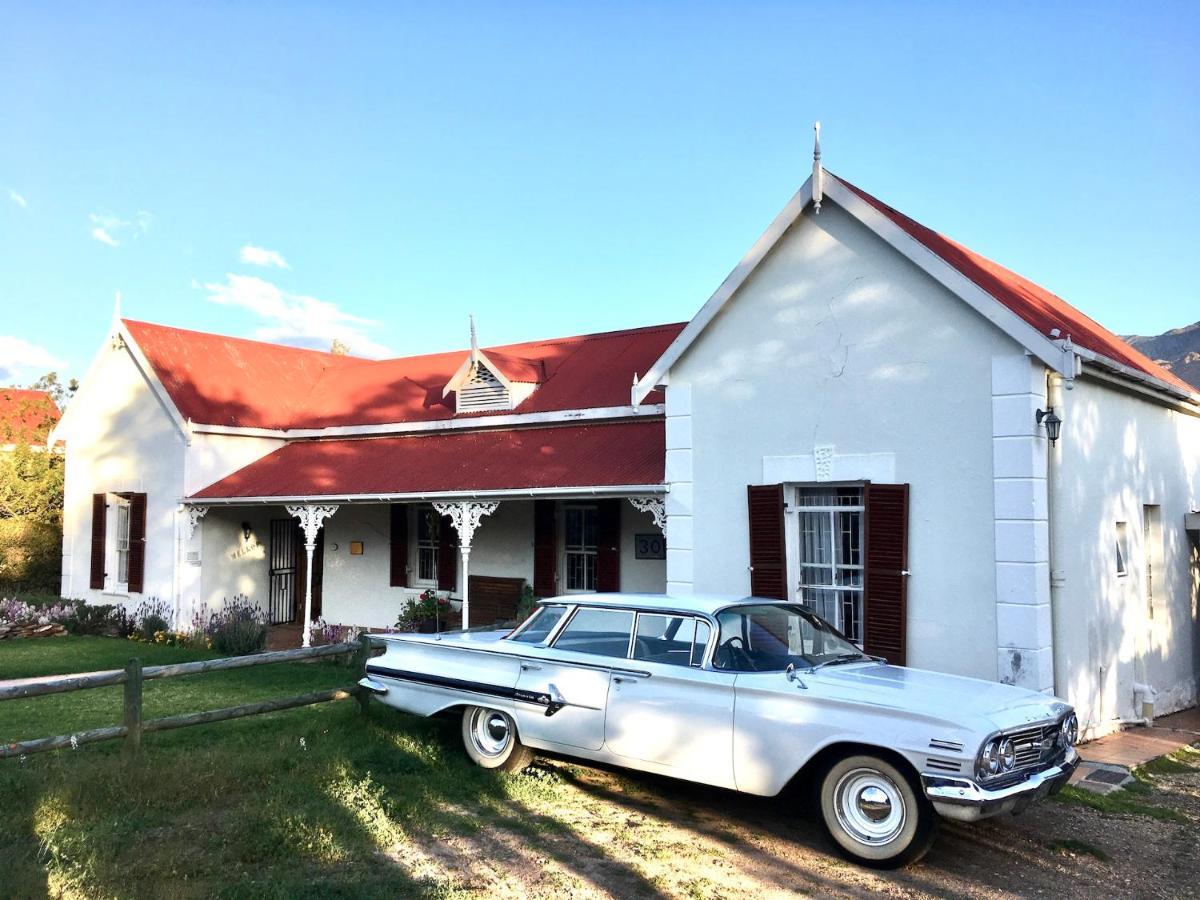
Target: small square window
1122,548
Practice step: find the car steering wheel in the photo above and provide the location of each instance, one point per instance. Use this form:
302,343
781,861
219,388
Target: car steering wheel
735,652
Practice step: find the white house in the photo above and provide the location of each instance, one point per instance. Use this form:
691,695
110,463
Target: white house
858,418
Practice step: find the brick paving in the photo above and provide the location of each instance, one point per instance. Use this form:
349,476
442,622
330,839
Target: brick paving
1139,744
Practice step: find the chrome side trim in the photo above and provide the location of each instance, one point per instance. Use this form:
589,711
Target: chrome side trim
372,685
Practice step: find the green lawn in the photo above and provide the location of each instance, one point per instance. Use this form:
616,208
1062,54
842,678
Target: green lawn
306,803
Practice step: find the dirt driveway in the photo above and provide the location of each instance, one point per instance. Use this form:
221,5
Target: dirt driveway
648,837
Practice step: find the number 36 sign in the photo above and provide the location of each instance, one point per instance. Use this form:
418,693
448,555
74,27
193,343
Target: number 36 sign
649,546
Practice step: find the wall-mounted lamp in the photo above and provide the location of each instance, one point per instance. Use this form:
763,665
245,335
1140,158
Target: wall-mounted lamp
1052,421
246,530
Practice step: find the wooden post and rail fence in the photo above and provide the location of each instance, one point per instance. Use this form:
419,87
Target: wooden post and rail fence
134,676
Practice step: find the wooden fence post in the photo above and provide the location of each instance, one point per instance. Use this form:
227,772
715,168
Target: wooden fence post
360,666
133,708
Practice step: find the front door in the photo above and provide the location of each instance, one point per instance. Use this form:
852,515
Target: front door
301,570
281,572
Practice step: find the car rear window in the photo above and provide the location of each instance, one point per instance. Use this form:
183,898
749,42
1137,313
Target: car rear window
604,632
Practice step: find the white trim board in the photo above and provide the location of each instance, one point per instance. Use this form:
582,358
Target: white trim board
582,492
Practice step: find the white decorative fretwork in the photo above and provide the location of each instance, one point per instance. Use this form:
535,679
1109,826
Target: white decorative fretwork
653,505
194,515
823,462
464,516
311,518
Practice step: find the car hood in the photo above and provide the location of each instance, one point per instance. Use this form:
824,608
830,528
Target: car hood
994,705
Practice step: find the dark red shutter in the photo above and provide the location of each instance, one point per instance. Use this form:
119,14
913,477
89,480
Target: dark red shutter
545,549
99,517
137,543
399,548
447,556
768,554
885,582
608,546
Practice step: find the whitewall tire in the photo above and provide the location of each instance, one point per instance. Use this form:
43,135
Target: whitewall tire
874,812
490,737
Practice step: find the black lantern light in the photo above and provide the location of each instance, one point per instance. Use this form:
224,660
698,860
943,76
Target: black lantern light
246,530
1052,421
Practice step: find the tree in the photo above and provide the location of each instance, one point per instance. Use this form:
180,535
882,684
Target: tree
61,393
31,485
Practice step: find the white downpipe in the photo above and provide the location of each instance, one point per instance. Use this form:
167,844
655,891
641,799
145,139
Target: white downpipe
1143,701
1054,399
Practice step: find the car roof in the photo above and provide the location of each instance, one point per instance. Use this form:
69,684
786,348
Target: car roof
699,603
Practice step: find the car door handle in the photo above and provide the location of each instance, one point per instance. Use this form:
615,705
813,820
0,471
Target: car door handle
624,679
530,667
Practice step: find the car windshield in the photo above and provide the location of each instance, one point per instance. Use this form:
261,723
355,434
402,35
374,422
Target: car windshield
538,626
770,636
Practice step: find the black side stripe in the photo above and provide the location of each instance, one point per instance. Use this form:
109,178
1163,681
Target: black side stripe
472,687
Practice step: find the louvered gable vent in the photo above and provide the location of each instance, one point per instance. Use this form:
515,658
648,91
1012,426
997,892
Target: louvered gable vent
482,391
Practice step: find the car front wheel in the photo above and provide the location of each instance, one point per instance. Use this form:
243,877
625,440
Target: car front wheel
490,736
874,813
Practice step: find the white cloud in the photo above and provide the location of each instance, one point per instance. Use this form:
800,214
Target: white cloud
17,199
260,256
295,318
108,229
20,360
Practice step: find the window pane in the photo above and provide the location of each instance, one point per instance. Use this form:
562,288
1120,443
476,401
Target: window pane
604,632
538,627
664,639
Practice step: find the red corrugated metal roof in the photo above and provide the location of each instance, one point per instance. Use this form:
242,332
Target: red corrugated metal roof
218,380
565,456
26,416
1036,305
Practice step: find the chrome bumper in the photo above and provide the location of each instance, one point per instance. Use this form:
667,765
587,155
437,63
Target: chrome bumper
372,685
965,801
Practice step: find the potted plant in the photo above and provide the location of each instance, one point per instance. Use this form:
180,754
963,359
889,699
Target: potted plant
424,613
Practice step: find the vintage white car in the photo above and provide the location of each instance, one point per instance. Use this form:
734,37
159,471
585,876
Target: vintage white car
743,693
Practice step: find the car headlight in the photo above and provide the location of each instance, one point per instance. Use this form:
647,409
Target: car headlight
1007,751
989,759
1069,731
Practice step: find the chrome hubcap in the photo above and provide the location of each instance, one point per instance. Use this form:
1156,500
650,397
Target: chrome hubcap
491,731
869,806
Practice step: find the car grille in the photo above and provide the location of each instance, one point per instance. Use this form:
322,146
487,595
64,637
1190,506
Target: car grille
1035,744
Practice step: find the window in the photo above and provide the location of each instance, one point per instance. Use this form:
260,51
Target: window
831,555
579,538
604,632
1152,546
768,638
673,640
122,542
428,536
1122,549
537,627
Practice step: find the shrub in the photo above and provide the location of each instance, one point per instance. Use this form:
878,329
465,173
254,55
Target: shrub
150,617
87,619
330,633
421,611
238,629
30,557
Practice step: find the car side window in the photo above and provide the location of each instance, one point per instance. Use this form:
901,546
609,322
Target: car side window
672,640
538,628
604,632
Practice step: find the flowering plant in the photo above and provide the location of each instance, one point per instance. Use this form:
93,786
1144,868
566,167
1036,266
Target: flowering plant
420,610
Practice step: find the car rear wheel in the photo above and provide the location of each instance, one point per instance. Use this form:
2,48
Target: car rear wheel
490,736
874,812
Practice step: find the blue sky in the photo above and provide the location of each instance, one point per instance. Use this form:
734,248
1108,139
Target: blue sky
562,168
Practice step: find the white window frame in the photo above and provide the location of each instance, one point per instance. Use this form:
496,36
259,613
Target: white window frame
118,544
579,550
433,544
1122,549
796,541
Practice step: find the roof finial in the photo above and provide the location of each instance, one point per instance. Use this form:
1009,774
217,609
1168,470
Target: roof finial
474,342
818,175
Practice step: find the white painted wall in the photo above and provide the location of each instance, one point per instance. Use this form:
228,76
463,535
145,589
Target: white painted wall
210,457
126,442
836,340
1117,454
230,564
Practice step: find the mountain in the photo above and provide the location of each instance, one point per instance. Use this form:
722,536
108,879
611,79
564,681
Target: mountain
1177,350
